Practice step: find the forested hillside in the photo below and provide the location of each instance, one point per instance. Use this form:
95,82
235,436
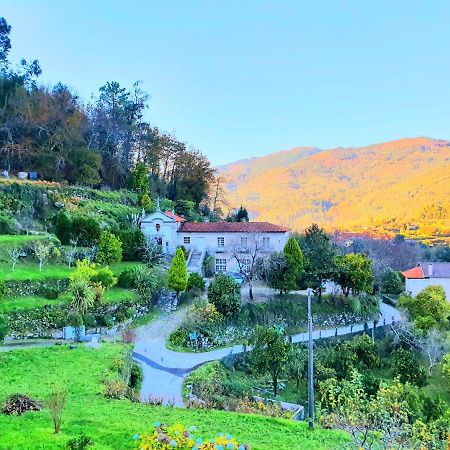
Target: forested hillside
394,187
52,132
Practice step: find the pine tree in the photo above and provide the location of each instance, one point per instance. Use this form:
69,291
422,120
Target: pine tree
178,275
294,264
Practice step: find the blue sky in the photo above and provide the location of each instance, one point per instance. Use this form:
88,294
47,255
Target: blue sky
244,78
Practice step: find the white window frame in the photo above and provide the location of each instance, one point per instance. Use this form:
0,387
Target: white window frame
244,242
221,265
220,242
266,242
186,240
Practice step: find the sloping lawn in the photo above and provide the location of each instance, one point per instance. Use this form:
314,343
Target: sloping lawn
28,302
111,423
30,271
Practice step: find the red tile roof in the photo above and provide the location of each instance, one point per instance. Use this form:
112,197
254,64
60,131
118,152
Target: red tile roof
231,227
174,216
414,273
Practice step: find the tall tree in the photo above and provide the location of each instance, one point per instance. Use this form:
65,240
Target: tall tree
294,264
319,255
178,275
353,273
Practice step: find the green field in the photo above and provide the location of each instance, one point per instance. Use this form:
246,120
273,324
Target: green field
111,423
30,271
35,301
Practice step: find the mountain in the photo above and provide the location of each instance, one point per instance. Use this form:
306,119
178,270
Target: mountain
402,185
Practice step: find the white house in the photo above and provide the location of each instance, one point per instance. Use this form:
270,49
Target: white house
426,274
223,240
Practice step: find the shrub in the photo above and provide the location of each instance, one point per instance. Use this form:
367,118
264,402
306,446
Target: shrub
50,293
205,314
4,328
109,248
7,224
178,275
115,389
55,404
135,376
195,281
132,244
86,229
82,295
392,282
406,366
127,278
144,282
75,320
17,404
179,338
89,320
209,266
224,293
105,277
63,227
81,442
146,202
3,289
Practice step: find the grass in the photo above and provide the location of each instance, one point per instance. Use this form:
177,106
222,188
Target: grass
113,295
30,271
111,423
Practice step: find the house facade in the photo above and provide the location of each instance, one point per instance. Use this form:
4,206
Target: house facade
223,240
427,274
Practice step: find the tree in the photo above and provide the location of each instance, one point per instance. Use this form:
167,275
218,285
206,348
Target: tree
63,228
294,264
297,365
55,404
392,282
178,274
151,250
109,248
446,366
406,366
270,353
429,309
239,215
353,273
319,258
14,254
43,251
225,295
247,253
139,178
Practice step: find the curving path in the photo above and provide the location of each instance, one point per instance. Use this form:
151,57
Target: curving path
165,370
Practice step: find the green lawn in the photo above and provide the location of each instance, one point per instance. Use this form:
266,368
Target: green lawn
111,423
28,302
30,271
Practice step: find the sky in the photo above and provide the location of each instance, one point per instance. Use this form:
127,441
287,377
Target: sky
238,79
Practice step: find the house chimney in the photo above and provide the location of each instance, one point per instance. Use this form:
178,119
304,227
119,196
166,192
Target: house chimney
430,270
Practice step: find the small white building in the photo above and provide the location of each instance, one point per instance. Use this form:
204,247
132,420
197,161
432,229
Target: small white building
218,239
427,274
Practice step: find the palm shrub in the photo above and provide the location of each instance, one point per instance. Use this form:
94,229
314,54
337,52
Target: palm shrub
178,275
82,295
109,248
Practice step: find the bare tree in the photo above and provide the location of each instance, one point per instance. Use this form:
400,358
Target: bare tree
42,251
247,251
71,252
14,254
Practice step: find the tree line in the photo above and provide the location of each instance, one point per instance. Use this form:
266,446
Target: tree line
52,132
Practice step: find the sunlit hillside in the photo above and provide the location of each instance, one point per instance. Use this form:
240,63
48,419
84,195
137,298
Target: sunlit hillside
395,186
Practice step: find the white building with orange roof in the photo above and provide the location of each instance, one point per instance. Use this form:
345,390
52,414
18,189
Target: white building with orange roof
428,274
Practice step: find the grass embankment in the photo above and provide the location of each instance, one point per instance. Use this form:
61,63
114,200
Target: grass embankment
111,423
30,271
113,295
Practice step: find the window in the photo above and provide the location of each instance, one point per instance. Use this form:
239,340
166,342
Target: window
244,242
158,227
221,265
265,242
246,263
186,240
220,242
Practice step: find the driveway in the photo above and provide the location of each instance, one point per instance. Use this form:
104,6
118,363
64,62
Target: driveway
165,370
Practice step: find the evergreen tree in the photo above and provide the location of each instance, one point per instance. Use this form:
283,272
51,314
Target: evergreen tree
294,264
178,274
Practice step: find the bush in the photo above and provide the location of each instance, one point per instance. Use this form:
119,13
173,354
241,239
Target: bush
392,283
3,289
86,229
89,320
7,224
127,279
63,227
209,266
135,376
225,295
81,442
115,389
82,295
105,277
75,320
18,404
4,328
50,293
195,281
55,404
406,366
109,248
132,244
179,338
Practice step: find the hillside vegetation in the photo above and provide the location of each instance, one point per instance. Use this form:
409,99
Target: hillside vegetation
399,186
